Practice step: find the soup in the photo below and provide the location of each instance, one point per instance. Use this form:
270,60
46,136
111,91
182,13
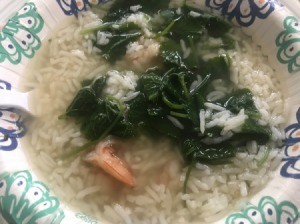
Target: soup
183,168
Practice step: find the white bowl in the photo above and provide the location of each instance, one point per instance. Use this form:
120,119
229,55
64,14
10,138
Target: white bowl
25,24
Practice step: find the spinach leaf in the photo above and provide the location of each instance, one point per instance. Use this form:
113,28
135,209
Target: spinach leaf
195,150
213,132
192,109
116,47
151,82
124,129
171,49
95,125
171,90
113,38
98,85
121,8
252,130
191,23
242,99
168,16
228,42
84,103
176,86
172,59
165,127
86,82
216,26
172,56
87,98
218,67
181,26
137,109
192,26
158,110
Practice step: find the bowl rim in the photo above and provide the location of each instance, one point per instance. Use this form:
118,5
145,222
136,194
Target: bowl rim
268,25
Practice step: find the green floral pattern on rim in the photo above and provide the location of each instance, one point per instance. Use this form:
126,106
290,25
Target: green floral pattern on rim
288,42
23,200
19,37
267,211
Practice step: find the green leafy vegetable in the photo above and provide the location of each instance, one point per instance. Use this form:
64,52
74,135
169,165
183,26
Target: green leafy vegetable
98,85
166,128
136,110
84,102
195,150
172,95
151,82
124,129
86,99
252,130
241,99
218,67
121,8
116,37
215,26
104,114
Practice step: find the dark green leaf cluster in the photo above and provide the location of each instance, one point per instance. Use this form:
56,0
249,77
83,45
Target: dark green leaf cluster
184,26
122,33
119,36
98,115
121,8
191,24
171,95
167,92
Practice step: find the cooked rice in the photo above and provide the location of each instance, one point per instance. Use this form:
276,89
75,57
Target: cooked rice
213,191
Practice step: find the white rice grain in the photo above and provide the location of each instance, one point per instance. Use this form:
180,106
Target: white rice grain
175,122
214,106
73,167
202,121
122,213
91,190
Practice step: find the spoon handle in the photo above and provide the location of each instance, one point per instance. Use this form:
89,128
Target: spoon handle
14,99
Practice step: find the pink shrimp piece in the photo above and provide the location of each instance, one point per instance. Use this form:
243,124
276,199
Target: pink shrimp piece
104,157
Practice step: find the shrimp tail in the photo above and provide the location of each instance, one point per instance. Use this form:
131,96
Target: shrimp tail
104,157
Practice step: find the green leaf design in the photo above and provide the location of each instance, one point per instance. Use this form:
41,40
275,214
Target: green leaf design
267,211
288,42
23,200
19,37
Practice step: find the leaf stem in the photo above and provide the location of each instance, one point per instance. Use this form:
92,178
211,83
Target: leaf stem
93,143
183,85
172,105
176,114
169,27
187,175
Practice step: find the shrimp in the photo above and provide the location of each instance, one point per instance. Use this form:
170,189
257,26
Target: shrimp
142,54
104,157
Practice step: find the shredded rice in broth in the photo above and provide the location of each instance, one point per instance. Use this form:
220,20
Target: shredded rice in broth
213,191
